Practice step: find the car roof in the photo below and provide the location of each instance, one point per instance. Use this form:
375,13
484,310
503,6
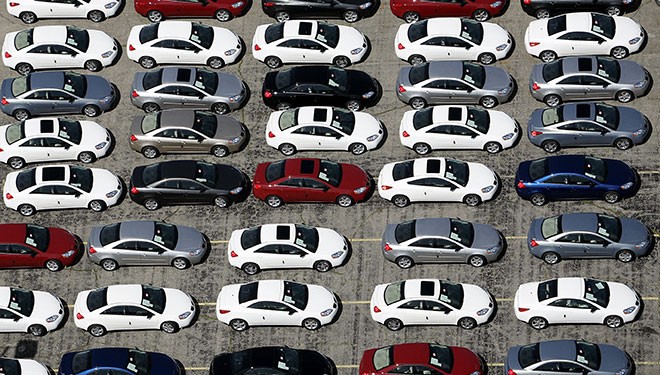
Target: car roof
443,26
49,34
13,233
277,232
41,126
445,69
586,222
422,288
411,353
570,287
269,290
301,167
453,113
432,227
178,75
178,169
303,28
579,111
580,21
174,29
566,164
319,115
573,65
428,166
178,118
309,74
136,229
41,80
560,349
52,173
129,293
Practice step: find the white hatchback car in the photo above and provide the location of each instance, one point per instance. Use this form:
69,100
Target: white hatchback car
48,139
183,42
577,34
307,41
58,47
276,303
23,366
575,300
61,187
30,311
437,180
458,127
452,39
133,307
323,128
286,246
430,302
30,11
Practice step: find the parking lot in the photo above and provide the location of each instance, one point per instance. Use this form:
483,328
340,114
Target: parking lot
354,331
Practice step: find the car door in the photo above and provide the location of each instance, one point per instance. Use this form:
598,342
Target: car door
167,192
38,103
596,87
330,139
423,250
138,317
169,97
43,198
448,251
442,8
459,91
63,8
322,8
581,187
168,141
596,246
10,321
440,137
268,256
273,313
292,190
195,193
152,254
290,51
63,102
193,98
315,52
411,312
571,310
464,137
293,257
7,256
188,53
440,190
57,149
191,141
317,191
65,56
569,246
439,313
127,253
190,8
435,92
559,368
113,318
571,88
19,256
305,138
556,186
69,197
41,57
579,43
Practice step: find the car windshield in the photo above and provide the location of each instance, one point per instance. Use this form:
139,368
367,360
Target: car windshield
472,30
457,171
151,174
274,32
423,118
328,34
337,78
21,301
607,115
478,119
417,30
75,83
441,357
25,179
138,362
529,355
37,236
461,231
307,237
538,168
474,74
206,174
166,234
205,123
608,68
77,38
394,292
10,366
609,226
20,85
551,226
153,298
275,170
97,298
109,234
295,294
595,168
81,361
383,357
418,74
547,289
202,35
152,79
280,360
70,130
288,119
552,116
588,354
15,132
251,237
330,172
23,39
148,33
552,70
150,122
344,120
597,291
206,80
81,178
603,25
405,231
451,294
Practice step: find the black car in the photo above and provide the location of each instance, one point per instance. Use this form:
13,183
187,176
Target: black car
273,360
181,182
349,10
320,85
549,8
118,361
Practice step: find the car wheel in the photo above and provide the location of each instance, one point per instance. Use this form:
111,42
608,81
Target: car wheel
251,268
542,13
109,264
345,201
393,324
95,16
613,11
273,62
151,204
155,16
220,108
477,261
91,110
311,324
611,197
625,256
613,321
223,15
219,151
97,205
274,201
550,146
551,257
472,200
37,330
222,201
416,60
481,15
625,96
351,16
28,17
467,323
411,17
238,325
619,52
21,114
548,56
538,199
15,162
623,143
357,148
169,327
538,323
417,103
488,101
287,149
53,265
150,107
341,61
422,148
322,266
27,210
353,105
86,157
150,152
93,65
97,330
282,16
493,147
147,62
486,58
180,263
24,69
404,262
400,200
552,100
215,62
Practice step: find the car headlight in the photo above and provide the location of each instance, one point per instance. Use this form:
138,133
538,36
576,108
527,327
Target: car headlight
107,54
629,309
68,254
634,40
642,244
483,312
368,95
326,312
495,4
475,373
639,132
507,136
230,52
501,47
109,5
337,254
185,315
360,190
238,4
234,140
112,194
196,252
236,190
365,5
492,250
623,371
52,318
236,98
487,189
504,91
106,99
356,51
372,138
640,84
627,186
100,145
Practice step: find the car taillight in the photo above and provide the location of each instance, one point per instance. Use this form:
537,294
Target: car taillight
131,48
134,190
521,185
535,86
401,46
376,309
1,150
134,94
523,309
511,372
268,4
271,135
9,196
256,186
401,89
534,44
4,101
405,134
535,133
385,187
14,4
7,54
224,311
387,247
79,316
233,254
268,94
533,243
133,138
257,48
92,250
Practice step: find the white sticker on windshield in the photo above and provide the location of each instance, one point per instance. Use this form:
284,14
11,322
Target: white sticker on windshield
30,241
589,296
596,28
14,306
469,79
590,175
282,365
300,242
449,175
132,367
321,38
64,134
68,87
287,299
581,359
454,236
71,42
444,298
194,38
602,73
146,302
336,123
199,85
323,176
200,179
602,230
158,239
466,35
434,361
600,285
600,119
333,83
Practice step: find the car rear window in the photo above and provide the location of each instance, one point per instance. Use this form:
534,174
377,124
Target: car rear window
538,168
275,170
15,132
418,30
552,116
20,85
151,174
418,74
148,33
394,292
152,79
405,231
25,179
551,226
251,237
288,119
442,357
556,25
248,292
81,361
553,70
402,170
283,79
23,39
109,234
383,357
150,122
547,289
274,32
10,366
423,118
37,236
97,298
609,226
529,355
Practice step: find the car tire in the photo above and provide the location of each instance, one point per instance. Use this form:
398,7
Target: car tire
147,62
416,60
169,327
109,264
400,200
24,69
551,257
613,10
151,204
417,103
353,105
550,146
322,266
16,162
287,149
467,323
542,13
273,62
251,268
150,152
341,62
28,17
351,16
625,96
274,201
477,261
220,108
222,201
623,143
548,56
404,262
486,58
91,110
21,114
538,323
611,197
411,17
619,52
97,205
97,330
95,16
393,324
613,321
345,201
37,330
538,199
27,209
93,65
552,100
311,324
155,16
625,256
238,325
488,102
215,62
53,265
493,147
472,200
150,107
422,148
86,157
282,16
223,15
357,148
181,263
481,15
219,151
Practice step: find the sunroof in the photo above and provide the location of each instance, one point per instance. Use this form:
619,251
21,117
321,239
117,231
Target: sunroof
52,174
583,110
455,114
427,288
584,65
433,166
183,75
305,28
307,166
320,114
283,232
47,126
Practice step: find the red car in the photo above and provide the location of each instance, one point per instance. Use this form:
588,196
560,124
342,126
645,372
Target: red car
415,10
34,246
421,358
222,10
311,180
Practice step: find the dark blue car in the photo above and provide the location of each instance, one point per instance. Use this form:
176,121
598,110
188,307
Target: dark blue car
573,177
118,361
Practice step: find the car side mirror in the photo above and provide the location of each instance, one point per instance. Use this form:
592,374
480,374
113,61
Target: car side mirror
16,319
291,312
447,312
468,47
72,100
161,251
66,147
601,41
77,4
593,310
77,195
470,89
452,188
338,137
200,97
323,50
150,316
33,254
303,255
605,85
473,136
604,132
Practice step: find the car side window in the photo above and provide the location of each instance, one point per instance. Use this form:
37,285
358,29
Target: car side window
557,179
54,142
62,50
188,134
589,238
169,184
291,43
559,303
171,90
441,243
38,95
550,366
311,45
441,129
59,95
114,310
403,369
307,130
578,180
456,42
431,182
412,305
572,80
185,46
136,311
571,367
41,49
593,81
268,249
189,91
168,133
436,306
313,184
435,84
457,85
424,242
65,190
49,189
128,245
436,41
463,131
190,185
569,238
6,314
146,246
324,131
166,43
293,182
581,35
290,250
34,142
269,305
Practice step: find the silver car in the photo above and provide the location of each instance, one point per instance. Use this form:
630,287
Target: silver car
146,243
588,78
187,87
454,82
441,240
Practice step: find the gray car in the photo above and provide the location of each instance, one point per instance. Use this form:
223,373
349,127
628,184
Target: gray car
586,125
441,240
187,87
186,131
50,93
568,357
588,236
146,243
588,78
453,82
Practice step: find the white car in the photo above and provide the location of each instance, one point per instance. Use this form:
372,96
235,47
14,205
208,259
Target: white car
452,39
437,180
30,11
47,139
183,42
61,187
571,300
457,127
286,246
58,47
323,128
430,302
577,34
306,41
29,311
132,307
276,303
12,366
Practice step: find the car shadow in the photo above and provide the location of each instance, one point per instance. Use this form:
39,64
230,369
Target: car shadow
67,314
113,144
384,139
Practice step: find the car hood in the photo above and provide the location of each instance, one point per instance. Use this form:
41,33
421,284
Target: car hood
61,240
319,299
475,299
485,236
32,367
494,35
621,297
177,302
360,82
501,124
613,359
633,231
228,128
353,177
496,78
350,38
365,125
229,177
331,240
224,39
104,182
97,87
228,85
188,239
312,362
619,173
46,305
480,177
631,72
93,133
99,42
630,120
626,29
465,361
